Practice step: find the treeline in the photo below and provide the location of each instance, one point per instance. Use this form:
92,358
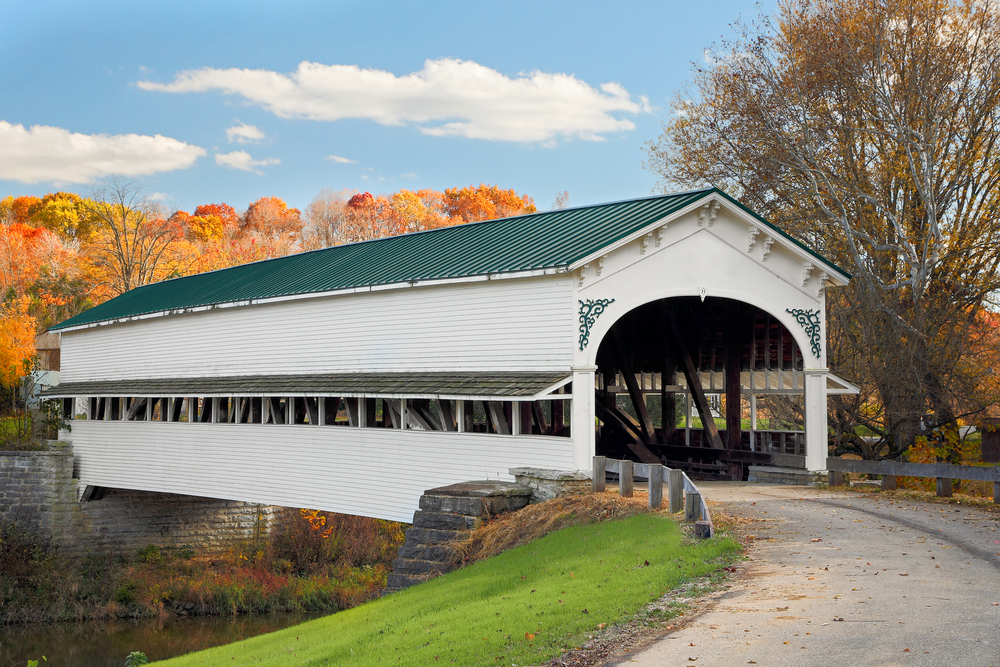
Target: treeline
62,253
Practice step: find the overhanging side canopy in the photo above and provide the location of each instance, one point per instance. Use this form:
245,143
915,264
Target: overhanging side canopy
838,386
511,386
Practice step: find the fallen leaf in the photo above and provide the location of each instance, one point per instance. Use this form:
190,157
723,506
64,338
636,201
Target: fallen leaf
784,642
818,539
600,626
903,575
585,612
837,619
531,635
906,650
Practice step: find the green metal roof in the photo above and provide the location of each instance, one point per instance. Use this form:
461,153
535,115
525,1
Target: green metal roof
551,239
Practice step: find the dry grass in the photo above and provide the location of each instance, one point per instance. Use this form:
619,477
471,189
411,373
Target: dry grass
534,521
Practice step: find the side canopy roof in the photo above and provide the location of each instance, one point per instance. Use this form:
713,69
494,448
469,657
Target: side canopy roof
551,240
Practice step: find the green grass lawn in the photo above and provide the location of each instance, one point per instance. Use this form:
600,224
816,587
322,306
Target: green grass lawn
521,607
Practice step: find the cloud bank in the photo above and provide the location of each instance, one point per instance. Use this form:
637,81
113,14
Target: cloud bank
241,160
447,97
43,153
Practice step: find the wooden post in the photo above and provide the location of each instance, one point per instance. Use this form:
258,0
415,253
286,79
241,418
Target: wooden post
693,507
996,492
626,481
734,398
945,487
836,478
675,487
600,473
655,486
888,482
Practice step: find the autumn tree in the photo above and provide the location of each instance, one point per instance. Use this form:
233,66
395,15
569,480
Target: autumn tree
133,244
485,202
869,130
17,341
65,213
25,251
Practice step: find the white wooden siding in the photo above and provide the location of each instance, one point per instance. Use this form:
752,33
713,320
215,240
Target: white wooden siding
525,324
363,471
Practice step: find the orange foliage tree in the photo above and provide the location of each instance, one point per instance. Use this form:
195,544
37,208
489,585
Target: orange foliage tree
485,202
17,341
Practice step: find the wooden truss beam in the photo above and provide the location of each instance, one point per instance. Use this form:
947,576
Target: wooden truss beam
694,383
634,392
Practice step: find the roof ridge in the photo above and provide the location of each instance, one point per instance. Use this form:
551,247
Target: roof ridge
437,229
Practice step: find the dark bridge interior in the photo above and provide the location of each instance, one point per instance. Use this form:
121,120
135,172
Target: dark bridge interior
670,364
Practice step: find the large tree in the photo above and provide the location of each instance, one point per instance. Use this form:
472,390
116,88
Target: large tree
132,243
868,128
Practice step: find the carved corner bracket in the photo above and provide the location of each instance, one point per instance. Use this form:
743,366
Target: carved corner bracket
590,310
809,320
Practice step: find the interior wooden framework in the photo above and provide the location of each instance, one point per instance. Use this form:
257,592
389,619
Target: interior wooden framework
698,352
474,415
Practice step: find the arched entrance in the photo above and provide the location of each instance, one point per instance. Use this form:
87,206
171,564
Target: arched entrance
708,385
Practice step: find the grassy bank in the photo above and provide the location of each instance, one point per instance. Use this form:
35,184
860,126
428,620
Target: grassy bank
315,562
521,607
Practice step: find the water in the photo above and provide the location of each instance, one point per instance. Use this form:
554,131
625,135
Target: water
107,643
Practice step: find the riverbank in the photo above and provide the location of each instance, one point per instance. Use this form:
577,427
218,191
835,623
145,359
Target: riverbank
316,562
524,606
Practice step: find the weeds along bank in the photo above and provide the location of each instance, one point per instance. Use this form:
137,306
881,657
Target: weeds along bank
314,561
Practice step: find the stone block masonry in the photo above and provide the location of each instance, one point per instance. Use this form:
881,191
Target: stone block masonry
38,491
447,515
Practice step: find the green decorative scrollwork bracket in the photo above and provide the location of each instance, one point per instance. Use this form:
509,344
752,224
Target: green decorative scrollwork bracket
809,319
590,310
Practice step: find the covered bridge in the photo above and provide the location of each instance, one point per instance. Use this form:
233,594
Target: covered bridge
352,378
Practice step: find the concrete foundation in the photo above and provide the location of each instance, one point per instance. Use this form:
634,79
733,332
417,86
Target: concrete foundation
787,476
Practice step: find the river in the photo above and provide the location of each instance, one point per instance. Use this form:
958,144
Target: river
107,643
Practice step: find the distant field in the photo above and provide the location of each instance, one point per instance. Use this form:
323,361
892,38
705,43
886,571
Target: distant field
521,607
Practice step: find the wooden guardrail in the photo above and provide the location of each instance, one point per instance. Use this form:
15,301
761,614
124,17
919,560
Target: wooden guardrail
682,494
944,473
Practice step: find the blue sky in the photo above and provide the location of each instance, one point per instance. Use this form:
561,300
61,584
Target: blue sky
225,101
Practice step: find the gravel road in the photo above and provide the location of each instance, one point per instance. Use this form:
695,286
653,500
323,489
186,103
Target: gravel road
848,580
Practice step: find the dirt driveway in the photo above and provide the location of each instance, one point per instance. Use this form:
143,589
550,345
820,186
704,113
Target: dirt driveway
848,580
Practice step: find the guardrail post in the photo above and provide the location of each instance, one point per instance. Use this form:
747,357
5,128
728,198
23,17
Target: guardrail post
675,489
655,486
945,487
996,492
693,507
888,482
600,473
626,481
836,478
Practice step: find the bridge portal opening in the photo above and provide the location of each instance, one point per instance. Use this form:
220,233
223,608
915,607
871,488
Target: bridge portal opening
710,386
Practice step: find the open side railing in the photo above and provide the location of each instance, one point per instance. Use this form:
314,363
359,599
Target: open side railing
944,473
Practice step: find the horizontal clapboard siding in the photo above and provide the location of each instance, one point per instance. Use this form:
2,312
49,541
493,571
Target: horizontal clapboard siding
492,325
367,472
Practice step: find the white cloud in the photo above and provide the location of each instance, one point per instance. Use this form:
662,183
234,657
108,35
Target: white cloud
244,134
447,97
341,160
242,160
44,153
409,175
159,196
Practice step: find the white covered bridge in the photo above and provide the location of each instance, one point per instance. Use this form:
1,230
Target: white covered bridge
679,328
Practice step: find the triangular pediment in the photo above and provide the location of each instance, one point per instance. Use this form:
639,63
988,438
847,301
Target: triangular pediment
719,235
